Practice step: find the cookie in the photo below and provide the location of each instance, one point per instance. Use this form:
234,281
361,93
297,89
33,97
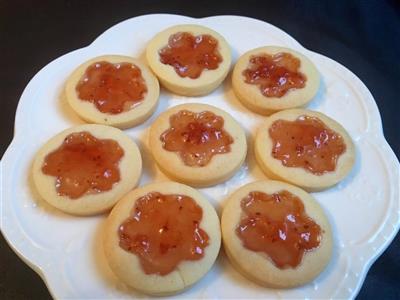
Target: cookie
86,169
113,90
305,148
162,238
197,144
189,60
270,79
276,234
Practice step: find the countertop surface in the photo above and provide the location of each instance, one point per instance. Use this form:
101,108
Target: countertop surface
364,36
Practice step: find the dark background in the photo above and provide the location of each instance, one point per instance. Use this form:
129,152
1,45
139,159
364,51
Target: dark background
362,35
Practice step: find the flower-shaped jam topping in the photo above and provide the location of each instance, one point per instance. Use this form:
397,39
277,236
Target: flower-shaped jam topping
275,74
164,230
306,143
190,55
197,137
113,88
84,164
278,226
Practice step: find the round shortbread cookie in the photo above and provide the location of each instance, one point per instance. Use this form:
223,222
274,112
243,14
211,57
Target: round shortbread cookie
207,81
127,266
251,96
130,168
258,266
221,166
125,119
275,169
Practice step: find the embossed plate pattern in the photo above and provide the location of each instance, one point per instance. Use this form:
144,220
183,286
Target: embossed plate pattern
66,251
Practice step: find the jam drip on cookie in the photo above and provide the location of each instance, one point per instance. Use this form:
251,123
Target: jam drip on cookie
163,230
197,137
84,164
306,143
113,88
275,74
190,55
278,226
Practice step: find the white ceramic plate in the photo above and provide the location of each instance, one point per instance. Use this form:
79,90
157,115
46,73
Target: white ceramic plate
67,252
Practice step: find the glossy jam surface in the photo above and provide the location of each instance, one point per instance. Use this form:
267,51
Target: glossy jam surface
278,226
113,88
275,74
190,55
164,230
306,143
197,137
84,164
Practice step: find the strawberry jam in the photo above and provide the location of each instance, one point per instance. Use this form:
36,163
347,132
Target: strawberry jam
84,164
197,137
164,230
113,88
190,55
278,226
275,74
306,143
